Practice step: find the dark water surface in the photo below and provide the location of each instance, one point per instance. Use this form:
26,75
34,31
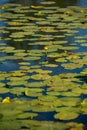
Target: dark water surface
60,3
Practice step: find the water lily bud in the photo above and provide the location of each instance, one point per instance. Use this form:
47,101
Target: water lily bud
6,100
45,48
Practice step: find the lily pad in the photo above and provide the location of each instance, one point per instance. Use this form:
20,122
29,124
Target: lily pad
51,65
47,98
84,44
71,66
47,2
27,115
71,101
31,58
40,76
17,83
66,115
3,90
37,90
61,60
35,84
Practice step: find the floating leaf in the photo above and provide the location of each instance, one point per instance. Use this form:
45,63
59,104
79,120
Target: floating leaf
24,63
33,92
3,90
18,82
40,76
84,44
35,84
27,115
47,2
47,98
72,65
61,60
2,84
71,101
66,115
51,65
53,93
31,58
84,103
18,73
71,94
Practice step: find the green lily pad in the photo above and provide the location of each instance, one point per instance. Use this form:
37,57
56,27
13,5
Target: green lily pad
51,65
11,125
23,67
41,71
2,84
29,90
66,115
24,63
84,103
3,90
47,98
54,55
42,109
70,94
27,115
69,48
35,84
40,76
20,54
33,92
61,60
53,93
17,90
18,73
31,58
80,41
71,66
84,72
17,83
22,78
47,2
84,45
70,101
59,42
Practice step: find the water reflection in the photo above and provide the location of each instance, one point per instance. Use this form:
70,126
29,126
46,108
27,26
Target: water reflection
27,2
64,3
60,3
82,3
3,1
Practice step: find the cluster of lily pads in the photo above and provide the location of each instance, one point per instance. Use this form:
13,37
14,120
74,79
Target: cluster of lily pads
44,68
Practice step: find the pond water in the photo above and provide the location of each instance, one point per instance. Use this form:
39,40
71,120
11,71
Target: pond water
43,64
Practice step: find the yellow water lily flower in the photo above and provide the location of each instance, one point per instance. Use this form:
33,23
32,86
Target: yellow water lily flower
14,23
36,7
6,100
40,13
45,48
82,11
